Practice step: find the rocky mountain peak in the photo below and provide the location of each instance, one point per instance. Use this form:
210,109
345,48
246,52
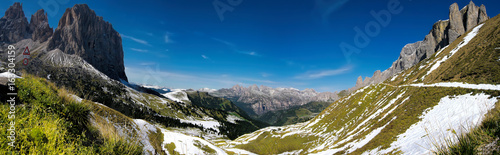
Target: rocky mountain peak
472,16
482,14
14,25
15,11
456,27
39,26
254,87
81,32
359,81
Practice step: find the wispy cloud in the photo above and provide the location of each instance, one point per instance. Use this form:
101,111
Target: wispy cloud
265,74
324,73
136,40
205,57
168,37
224,42
233,47
139,50
251,53
147,63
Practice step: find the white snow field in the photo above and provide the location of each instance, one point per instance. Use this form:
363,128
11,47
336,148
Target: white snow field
452,114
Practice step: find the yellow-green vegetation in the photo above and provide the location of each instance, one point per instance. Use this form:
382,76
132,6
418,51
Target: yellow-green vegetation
267,144
156,140
49,121
170,147
205,148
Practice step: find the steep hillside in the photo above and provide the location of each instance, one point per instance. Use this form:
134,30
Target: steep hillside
415,112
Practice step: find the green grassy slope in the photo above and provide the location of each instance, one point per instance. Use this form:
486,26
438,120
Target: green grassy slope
49,121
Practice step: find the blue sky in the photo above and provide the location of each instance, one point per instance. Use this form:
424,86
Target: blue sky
279,43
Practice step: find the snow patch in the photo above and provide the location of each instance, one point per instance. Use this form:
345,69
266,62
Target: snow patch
459,85
353,146
177,95
233,119
208,90
185,144
207,123
451,114
143,132
9,75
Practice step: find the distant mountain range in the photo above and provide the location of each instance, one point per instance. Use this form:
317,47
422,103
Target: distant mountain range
259,100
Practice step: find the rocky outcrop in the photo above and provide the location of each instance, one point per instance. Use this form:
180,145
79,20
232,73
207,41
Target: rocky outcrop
39,26
442,34
456,27
14,25
81,32
264,99
482,14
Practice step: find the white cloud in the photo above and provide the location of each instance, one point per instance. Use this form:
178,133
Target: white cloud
324,73
135,39
205,57
139,50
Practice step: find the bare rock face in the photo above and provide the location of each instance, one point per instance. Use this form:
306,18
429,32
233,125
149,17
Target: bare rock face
81,32
39,26
482,14
456,23
14,25
442,34
264,99
472,16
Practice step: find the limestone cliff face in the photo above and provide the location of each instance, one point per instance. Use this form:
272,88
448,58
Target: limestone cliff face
14,25
83,33
39,26
442,34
